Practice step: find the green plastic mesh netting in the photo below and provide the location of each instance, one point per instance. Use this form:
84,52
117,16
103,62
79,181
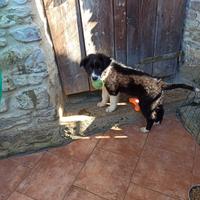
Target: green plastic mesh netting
189,113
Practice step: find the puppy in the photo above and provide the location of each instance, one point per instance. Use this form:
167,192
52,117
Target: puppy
120,78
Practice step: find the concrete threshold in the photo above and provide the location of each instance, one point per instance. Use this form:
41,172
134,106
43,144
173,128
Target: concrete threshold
82,117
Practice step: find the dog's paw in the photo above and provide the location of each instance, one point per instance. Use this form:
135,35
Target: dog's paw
156,123
144,130
101,104
110,109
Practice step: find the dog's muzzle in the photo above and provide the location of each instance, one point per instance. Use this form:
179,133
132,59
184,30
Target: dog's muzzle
95,77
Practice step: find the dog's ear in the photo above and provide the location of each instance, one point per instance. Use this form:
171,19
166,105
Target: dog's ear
105,60
84,61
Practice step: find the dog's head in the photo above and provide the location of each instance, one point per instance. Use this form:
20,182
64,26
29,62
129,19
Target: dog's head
95,64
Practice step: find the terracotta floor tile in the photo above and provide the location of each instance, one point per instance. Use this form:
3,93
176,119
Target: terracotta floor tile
196,171
78,150
136,192
4,192
129,141
167,160
18,196
107,174
153,174
196,180
171,135
28,160
51,178
11,174
78,193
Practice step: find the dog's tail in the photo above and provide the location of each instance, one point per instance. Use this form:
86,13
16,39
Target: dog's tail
181,85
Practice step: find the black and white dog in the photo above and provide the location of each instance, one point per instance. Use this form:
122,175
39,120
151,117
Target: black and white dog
120,78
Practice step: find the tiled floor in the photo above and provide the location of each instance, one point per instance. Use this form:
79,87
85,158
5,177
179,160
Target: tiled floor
118,165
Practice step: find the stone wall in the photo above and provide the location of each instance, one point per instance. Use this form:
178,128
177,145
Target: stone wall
31,88
189,110
191,43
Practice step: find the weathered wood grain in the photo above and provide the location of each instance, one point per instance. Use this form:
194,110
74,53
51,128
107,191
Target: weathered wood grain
63,22
97,20
141,31
129,30
120,31
168,34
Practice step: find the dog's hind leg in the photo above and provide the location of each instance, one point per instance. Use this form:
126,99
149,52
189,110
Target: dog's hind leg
105,98
160,114
148,126
149,115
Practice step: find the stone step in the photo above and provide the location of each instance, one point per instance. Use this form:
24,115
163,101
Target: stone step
82,116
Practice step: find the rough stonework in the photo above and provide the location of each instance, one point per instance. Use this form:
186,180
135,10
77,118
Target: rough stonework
32,97
189,111
31,94
191,43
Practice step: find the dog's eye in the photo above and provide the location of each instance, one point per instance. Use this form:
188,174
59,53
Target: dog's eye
96,65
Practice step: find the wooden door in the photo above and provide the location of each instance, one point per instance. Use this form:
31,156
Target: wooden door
128,30
66,32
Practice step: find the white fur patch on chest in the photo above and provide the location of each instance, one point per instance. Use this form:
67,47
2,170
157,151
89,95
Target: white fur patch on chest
106,73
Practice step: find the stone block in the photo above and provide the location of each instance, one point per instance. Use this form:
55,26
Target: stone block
192,15
3,105
20,2
26,33
29,79
42,98
18,11
3,3
33,99
8,84
30,139
26,100
3,42
2,32
7,122
6,21
195,5
35,63
46,115
192,25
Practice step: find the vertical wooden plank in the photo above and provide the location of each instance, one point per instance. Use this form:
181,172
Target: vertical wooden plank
141,44
63,21
133,44
120,30
169,34
147,25
97,20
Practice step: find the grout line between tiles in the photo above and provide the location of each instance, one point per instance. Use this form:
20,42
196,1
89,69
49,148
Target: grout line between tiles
84,164
157,191
18,162
31,170
27,196
83,189
136,165
194,161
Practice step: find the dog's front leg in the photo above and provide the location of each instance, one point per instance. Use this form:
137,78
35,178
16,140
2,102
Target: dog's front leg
113,103
105,98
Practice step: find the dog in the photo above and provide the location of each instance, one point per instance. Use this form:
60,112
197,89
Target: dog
118,78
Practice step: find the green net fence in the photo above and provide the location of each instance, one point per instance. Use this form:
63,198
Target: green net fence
189,113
